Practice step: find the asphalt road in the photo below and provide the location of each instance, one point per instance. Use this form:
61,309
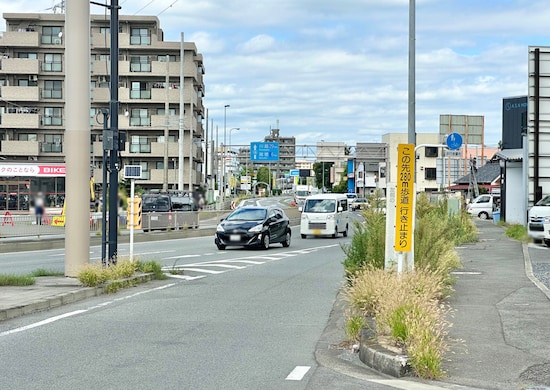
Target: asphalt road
237,319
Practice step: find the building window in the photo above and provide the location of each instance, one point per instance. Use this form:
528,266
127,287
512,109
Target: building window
430,151
51,35
52,63
52,143
139,117
27,137
53,116
140,64
30,56
140,36
430,173
52,89
162,58
140,144
104,30
140,91
28,82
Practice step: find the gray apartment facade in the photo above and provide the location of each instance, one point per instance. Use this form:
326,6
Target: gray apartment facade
32,93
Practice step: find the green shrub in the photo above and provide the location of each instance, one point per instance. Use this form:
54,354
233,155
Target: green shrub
93,275
367,246
151,267
17,280
517,232
354,325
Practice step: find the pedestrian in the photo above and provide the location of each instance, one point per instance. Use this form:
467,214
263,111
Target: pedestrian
39,208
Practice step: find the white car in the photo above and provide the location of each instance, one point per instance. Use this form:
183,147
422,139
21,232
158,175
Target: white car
539,215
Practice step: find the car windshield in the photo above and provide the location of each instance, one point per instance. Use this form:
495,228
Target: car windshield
544,201
248,215
320,206
155,203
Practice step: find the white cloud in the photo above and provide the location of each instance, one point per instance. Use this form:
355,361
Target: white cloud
338,71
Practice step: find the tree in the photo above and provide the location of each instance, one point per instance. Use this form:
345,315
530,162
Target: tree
342,187
263,176
322,174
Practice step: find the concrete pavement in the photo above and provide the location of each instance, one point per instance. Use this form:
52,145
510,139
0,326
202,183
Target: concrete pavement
501,310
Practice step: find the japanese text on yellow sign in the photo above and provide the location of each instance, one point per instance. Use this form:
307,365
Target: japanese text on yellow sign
404,211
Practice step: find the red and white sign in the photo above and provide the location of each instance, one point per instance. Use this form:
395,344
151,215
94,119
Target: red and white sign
33,170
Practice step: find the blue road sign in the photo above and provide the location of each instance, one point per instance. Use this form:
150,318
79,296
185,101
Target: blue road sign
294,173
264,151
454,141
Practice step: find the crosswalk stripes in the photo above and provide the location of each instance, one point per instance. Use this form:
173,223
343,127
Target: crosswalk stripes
193,271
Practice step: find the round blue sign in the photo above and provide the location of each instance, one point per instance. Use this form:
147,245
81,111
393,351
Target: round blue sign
454,141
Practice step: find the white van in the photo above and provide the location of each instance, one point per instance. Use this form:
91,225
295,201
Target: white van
325,214
484,205
539,216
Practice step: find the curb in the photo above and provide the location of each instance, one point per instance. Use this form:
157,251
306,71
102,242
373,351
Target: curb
381,359
80,293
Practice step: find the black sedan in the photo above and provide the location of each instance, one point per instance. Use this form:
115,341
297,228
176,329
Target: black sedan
255,226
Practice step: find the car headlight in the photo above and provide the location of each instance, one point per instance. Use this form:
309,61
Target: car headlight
220,228
546,219
256,229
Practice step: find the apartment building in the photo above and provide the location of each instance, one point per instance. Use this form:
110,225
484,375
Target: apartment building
32,116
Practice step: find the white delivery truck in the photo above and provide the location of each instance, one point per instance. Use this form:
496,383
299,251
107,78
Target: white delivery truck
484,205
324,215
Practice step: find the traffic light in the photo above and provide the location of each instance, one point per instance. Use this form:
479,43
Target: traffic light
135,218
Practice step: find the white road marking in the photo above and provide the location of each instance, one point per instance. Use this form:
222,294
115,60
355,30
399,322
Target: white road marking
185,277
465,273
76,312
206,271
298,373
181,257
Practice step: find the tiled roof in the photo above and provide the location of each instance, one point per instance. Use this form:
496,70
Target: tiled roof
484,175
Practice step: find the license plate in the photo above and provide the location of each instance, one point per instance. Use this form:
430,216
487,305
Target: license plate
316,231
234,237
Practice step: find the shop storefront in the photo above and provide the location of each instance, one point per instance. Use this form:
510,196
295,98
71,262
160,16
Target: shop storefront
20,183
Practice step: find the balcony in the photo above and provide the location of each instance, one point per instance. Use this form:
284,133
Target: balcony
19,66
20,38
20,121
20,148
20,94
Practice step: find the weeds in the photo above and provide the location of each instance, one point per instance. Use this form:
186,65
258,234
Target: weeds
517,232
407,307
17,280
117,275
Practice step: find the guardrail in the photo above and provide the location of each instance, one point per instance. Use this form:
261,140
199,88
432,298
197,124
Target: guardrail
27,225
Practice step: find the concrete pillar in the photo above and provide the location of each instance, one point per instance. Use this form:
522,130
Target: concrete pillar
77,135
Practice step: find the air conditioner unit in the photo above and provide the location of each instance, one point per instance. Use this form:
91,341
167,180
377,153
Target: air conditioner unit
5,56
57,41
33,77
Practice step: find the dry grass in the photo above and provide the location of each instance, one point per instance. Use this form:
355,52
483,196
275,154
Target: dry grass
407,309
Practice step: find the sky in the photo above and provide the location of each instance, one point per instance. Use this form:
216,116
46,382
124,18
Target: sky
338,71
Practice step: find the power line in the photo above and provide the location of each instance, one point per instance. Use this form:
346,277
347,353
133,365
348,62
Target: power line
170,6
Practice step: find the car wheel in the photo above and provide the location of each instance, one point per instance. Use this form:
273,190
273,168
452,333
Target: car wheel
335,232
265,241
345,233
546,242
303,236
220,247
483,215
286,242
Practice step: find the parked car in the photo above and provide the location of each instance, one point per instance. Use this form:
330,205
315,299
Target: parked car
483,206
539,215
359,204
254,226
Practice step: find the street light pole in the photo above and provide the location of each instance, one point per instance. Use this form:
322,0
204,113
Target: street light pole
224,147
231,157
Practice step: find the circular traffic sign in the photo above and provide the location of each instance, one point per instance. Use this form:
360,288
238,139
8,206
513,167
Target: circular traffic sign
454,141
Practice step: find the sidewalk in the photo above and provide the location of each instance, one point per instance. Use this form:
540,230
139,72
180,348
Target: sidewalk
501,323
501,318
